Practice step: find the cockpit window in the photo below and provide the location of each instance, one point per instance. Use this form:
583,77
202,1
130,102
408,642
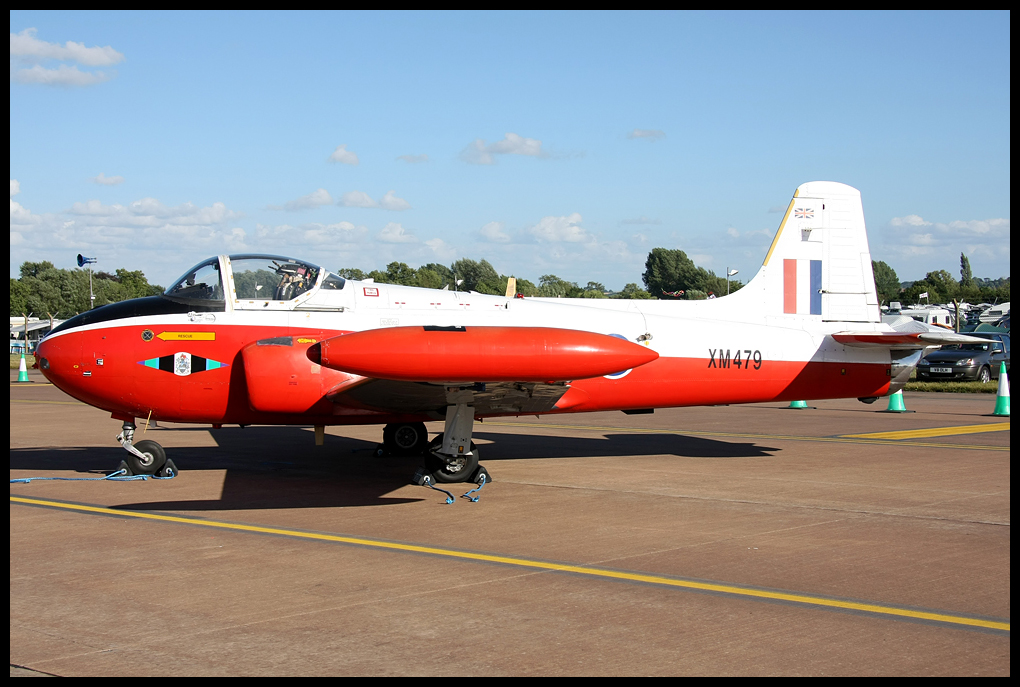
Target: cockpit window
333,282
267,278
201,283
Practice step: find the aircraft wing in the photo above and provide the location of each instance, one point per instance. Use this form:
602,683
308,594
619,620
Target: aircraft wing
423,397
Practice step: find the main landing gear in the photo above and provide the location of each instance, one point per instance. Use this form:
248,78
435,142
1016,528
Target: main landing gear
452,457
144,458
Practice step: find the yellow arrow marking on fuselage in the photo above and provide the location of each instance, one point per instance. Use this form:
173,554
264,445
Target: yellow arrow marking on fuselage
187,336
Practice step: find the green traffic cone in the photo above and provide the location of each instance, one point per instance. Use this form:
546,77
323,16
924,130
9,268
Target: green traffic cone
22,371
798,405
1002,398
896,403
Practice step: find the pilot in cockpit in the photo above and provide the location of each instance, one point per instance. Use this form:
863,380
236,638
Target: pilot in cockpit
295,279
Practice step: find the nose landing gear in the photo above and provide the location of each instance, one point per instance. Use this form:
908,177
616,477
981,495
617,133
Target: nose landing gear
144,458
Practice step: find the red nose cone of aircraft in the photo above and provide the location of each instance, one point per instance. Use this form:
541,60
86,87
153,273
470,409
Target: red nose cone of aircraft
482,354
60,360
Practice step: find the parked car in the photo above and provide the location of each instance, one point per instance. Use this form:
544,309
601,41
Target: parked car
970,361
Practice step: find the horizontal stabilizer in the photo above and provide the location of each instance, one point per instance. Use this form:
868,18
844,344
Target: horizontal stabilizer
480,354
933,337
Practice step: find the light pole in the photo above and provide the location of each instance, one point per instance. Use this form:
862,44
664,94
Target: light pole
82,261
729,273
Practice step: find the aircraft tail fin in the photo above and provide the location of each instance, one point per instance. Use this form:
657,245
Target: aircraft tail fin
819,264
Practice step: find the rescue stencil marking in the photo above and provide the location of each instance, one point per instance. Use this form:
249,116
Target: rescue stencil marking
182,363
186,336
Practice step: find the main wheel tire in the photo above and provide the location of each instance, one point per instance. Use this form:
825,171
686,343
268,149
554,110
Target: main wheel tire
155,458
985,375
450,469
405,438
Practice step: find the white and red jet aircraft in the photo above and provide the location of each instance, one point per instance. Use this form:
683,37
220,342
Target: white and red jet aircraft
258,339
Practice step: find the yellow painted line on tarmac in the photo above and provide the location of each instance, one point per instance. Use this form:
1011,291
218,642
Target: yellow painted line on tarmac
933,432
869,439
25,385
729,590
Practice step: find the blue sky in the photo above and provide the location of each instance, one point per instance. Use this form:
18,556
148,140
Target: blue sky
562,143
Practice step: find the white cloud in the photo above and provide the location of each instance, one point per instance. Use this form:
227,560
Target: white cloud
414,159
937,245
641,220
647,134
344,156
236,239
560,229
394,233
26,46
27,50
493,232
391,202
441,249
357,199
314,199
104,180
112,230
335,234
149,212
61,76
909,221
360,199
21,217
478,153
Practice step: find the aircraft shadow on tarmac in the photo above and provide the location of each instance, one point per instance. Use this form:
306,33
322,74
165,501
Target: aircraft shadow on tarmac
280,467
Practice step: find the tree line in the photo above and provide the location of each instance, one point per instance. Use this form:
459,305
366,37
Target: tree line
940,286
669,274
45,290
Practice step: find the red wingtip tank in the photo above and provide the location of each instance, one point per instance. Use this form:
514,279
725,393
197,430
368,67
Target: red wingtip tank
481,354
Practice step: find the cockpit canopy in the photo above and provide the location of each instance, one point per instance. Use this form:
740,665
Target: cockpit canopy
271,278
202,283
249,278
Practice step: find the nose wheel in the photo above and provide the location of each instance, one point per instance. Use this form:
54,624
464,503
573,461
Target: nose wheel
144,458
